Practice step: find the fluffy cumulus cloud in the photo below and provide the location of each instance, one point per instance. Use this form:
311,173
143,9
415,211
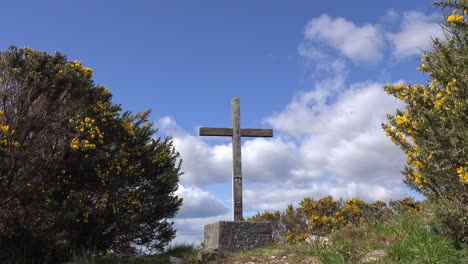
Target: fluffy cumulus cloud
417,29
203,163
369,43
358,43
344,138
198,203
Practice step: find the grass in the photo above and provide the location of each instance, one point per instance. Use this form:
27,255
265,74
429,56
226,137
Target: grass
179,250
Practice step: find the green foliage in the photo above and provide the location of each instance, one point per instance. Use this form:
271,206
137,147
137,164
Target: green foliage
432,129
326,215
76,172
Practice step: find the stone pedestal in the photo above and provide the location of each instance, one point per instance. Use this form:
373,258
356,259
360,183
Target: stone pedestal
234,236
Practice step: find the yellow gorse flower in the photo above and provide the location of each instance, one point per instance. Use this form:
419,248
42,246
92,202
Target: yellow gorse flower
5,136
455,18
462,172
88,131
78,66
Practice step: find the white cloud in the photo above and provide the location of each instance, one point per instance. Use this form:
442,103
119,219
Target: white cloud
417,29
391,16
268,160
344,138
367,43
358,43
198,203
299,115
203,164
309,51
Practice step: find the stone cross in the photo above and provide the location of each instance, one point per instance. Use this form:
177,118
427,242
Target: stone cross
236,133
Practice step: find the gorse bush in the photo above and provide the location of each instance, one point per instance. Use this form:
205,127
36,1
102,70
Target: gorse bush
75,171
326,215
432,128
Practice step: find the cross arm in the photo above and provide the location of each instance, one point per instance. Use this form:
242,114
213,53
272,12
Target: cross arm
227,132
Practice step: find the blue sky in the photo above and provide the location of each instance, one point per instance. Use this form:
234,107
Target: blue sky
311,70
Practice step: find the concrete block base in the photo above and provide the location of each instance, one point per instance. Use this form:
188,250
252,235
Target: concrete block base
234,236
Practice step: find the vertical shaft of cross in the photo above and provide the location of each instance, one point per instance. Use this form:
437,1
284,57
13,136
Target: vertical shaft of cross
236,133
236,160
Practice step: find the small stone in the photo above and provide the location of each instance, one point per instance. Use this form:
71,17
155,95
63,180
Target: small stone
323,241
374,256
273,257
311,260
175,260
278,251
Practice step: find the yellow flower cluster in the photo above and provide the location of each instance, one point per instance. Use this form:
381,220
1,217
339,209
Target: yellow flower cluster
338,220
89,131
129,127
27,50
85,217
87,72
352,211
5,133
102,109
292,238
402,120
462,172
418,163
266,216
404,93
422,68
418,178
456,18
404,130
354,205
452,87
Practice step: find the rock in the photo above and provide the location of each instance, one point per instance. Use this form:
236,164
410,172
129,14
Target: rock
174,260
323,241
278,251
374,256
234,236
311,260
208,255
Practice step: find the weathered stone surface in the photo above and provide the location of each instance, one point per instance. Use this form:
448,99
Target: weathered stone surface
310,260
323,241
374,256
174,260
234,236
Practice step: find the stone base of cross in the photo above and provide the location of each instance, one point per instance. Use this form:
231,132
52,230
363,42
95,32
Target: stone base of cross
236,133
